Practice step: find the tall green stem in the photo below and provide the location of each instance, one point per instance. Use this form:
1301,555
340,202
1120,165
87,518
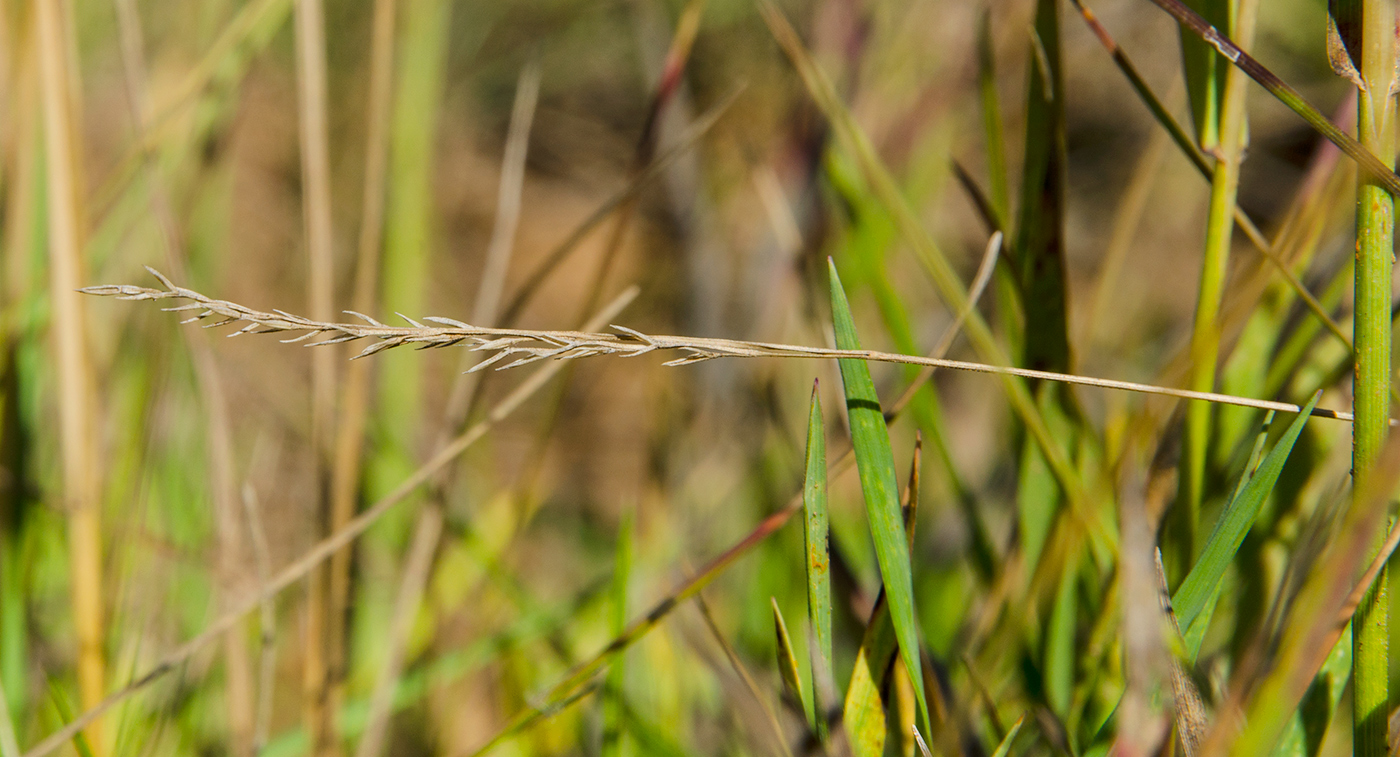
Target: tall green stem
1375,242
1205,335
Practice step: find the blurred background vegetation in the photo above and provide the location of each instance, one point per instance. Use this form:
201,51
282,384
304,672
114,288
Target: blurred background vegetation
319,156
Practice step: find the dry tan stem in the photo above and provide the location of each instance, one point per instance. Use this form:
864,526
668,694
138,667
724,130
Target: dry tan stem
76,400
321,661
354,400
527,345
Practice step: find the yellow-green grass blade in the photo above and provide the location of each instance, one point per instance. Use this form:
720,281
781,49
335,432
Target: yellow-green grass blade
1195,632
1004,748
1060,649
998,193
863,716
875,464
617,673
864,710
787,666
1195,597
1303,735
1283,92
816,533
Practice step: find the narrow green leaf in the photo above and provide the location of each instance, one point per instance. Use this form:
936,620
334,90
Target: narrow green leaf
1195,594
613,700
787,665
1305,731
815,535
875,463
1060,651
991,121
1195,633
1004,748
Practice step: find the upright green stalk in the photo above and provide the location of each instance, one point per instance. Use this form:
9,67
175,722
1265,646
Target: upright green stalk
1205,335
1375,239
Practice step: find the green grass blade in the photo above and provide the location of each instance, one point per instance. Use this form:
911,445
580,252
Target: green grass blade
1195,633
613,700
992,128
787,665
815,535
875,463
1304,733
1195,595
1038,253
1004,748
1061,653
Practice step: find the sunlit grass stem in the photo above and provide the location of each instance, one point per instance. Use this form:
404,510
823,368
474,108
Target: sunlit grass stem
1375,240
1205,335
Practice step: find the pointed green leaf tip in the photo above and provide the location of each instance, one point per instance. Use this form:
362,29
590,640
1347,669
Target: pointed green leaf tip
787,665
815,534
875,462
1196,595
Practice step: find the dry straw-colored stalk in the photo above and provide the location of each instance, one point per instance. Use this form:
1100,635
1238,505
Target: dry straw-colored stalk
77,404
513,347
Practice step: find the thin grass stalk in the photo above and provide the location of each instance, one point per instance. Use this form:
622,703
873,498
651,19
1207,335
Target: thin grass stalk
1375,238
322,663
77,407
528,346
267,621
742,671
1205,334
322,551
213,397
347,463
427,531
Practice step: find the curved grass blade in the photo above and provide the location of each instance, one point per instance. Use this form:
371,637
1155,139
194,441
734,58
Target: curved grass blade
875,463
816,532
1195,597
787,666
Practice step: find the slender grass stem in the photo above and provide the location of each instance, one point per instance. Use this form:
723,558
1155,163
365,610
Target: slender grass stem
1205,335
76,405
1375,238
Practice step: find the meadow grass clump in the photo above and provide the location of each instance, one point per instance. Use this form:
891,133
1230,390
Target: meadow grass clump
955,287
